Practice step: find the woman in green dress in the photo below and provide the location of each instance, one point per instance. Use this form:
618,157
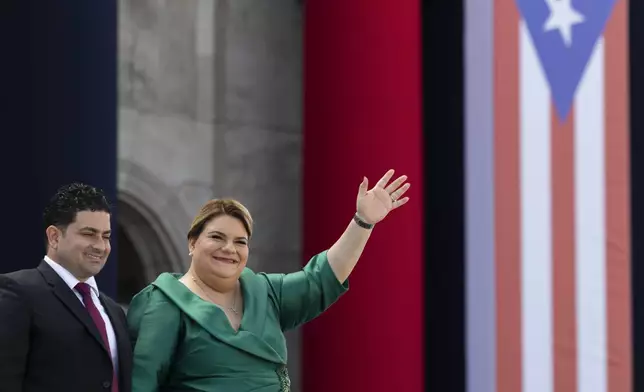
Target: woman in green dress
219,327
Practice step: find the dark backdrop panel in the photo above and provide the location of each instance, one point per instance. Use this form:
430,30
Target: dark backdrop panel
443,112
60,118
637,184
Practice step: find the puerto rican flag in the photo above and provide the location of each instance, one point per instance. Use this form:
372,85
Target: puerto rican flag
548,209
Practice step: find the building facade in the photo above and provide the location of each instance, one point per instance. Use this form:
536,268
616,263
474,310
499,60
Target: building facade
209,106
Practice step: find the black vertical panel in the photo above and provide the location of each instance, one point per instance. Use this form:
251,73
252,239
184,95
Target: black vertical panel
443,111
636,38
18,175
62,117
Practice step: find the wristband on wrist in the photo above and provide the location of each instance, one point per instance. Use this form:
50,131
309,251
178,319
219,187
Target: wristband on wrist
361,222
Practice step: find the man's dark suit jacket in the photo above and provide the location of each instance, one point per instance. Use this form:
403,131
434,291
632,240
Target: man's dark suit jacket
48,341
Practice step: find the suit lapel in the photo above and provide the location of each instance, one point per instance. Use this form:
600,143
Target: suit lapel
214,321
70,300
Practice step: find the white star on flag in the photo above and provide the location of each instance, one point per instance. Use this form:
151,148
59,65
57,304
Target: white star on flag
562,17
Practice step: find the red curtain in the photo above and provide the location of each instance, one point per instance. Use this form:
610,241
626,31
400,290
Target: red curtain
362,116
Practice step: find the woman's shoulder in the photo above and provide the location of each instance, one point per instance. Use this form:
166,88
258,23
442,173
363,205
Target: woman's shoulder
157,294
153,304
259,283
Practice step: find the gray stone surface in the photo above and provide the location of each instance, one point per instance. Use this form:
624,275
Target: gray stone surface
210,106
264,63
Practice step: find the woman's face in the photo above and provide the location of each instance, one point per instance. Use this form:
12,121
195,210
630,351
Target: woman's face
222,248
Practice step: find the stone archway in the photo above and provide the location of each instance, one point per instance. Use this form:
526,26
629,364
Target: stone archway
145,249
131,273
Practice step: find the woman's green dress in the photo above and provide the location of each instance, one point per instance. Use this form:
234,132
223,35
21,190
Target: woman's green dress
183,343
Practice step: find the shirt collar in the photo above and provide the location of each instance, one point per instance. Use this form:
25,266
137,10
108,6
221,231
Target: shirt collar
70,279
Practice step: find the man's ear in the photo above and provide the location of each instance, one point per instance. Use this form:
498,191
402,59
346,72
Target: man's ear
53,236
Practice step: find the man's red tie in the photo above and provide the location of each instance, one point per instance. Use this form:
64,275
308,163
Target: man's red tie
85,291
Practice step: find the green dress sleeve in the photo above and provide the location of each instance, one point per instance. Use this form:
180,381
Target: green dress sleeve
303,295
154,325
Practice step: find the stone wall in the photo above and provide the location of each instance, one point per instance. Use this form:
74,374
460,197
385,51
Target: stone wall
210,106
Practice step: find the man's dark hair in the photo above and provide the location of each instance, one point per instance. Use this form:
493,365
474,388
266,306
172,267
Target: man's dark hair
71,199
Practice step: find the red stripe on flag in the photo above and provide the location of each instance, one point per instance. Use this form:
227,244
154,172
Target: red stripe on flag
563,252
618,246
507,203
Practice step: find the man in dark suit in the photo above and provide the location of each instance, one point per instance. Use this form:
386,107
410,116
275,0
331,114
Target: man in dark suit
58,332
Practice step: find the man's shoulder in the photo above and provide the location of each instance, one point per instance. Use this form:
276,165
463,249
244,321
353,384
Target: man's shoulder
26,283
24,277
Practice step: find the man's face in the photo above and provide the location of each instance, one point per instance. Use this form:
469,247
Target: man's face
83,247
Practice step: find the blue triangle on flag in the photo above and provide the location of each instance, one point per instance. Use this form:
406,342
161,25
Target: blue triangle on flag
565,33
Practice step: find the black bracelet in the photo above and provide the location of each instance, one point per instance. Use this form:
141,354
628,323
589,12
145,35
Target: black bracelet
362,223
